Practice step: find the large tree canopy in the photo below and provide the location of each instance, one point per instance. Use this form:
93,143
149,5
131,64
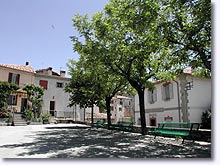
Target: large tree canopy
124,39
142,40
186,26
92,84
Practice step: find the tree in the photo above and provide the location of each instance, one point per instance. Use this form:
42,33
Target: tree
92,84
5,90
35,96
186,26
125,40
83,87
142,40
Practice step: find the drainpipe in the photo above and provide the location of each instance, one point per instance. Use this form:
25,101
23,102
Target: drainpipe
178,97
75,113
84,115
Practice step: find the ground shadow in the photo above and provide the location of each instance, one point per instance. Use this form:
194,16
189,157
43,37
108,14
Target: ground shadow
102,143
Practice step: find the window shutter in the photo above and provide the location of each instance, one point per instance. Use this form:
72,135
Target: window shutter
10,77
163,92
155,95
149,100
171,90
43,83
18,79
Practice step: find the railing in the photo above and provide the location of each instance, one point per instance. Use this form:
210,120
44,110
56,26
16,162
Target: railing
66,114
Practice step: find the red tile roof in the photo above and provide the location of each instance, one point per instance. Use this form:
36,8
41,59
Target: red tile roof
26,68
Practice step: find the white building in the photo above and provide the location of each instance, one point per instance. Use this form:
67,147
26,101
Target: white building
55,100
182,100
121,109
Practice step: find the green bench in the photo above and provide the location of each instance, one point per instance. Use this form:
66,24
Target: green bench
99,124
176,129
122,126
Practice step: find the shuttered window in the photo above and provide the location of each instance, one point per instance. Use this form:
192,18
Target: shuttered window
43,83
167,91
12,100
14,78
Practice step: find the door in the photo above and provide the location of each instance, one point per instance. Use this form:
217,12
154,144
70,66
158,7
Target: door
23,104
52,107
152,121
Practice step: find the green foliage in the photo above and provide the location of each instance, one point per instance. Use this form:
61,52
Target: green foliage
186,27
123,45
28,114
206,119
35,96
3,113
83,86
140,41
9,120
201,72
45,116
5,90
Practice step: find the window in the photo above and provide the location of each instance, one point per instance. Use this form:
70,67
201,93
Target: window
43,83
120,108
12,100
121,102
167,91
59,85
152,96
112,108
14,78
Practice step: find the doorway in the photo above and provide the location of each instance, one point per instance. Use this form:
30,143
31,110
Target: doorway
153,121
23,104
52,108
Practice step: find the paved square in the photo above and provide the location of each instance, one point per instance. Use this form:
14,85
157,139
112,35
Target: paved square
77,141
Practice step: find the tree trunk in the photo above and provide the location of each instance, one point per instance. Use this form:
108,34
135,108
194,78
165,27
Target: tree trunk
142,112
108,107
84,115
92,119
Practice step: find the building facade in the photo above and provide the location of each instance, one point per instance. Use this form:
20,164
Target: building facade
55,100
20,75
180,100
121,109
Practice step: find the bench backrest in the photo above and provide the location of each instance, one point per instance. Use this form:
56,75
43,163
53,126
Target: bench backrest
101,122
124,123
179,125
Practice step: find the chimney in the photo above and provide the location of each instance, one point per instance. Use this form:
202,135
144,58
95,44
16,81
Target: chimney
27,63
62,73
49,71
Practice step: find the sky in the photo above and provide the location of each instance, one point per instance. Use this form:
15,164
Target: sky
38,31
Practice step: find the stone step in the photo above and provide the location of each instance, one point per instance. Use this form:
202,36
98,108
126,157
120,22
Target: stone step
20,123
18,120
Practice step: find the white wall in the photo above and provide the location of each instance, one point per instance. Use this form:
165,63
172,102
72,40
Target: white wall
53,93
199,100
